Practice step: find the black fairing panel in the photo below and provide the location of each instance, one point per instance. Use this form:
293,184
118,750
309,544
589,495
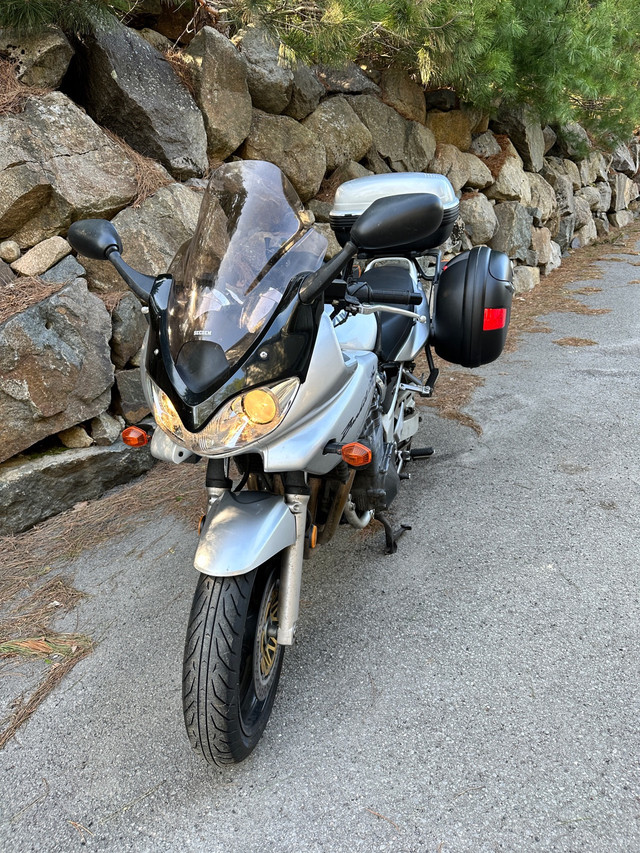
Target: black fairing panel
470,284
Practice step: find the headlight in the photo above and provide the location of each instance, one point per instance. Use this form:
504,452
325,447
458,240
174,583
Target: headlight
242,420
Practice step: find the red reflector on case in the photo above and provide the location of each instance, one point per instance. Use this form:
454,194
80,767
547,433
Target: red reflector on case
494,318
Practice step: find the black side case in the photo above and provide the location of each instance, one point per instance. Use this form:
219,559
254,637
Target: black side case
473,307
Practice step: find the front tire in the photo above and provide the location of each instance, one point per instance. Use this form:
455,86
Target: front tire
232,663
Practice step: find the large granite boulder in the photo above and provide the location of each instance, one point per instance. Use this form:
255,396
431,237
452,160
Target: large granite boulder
270,79
32,490
479,217
128,86
450,162
543,199
55,367
219,76
513,234
451,128
57,165
525,131
593,168
511,181
344,136
295,148
403,146
151,234
129,326
623,192
402,93
485,145
306,93
41,59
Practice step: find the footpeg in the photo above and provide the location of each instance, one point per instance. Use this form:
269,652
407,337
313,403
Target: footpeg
422,452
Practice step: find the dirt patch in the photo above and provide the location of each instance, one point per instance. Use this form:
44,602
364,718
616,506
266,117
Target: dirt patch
575,342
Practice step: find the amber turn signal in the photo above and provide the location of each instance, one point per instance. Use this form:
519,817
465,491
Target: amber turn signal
135,436
356,454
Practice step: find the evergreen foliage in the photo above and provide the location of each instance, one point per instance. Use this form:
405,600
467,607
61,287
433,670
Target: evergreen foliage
568,59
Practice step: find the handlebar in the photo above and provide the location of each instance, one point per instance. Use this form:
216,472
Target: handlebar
364,293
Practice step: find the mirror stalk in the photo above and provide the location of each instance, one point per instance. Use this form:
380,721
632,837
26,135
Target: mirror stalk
139,283
314,284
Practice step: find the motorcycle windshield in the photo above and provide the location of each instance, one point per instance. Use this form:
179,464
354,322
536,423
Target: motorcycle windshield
251,239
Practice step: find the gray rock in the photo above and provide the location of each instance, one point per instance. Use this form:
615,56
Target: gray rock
420,148
485,145
572,171
583,212
453,245
306,93
42,59
55,366
593,168
525,278
554,172
564,232
450,162
623,192
7,275
403,94
270,80
480,220
32,490
322,209
156,39
295,148
57,165
550,138
333,247
603,225
42,257
9,251
374,163
523,127
106,429
75,436
555,260
540,252
591,195
573,140
129,87
349,171
623,161
513,235
478,175
543,199
606,193
219,75
512,183
586,235
350,80
621,218
66,270
151,235
131,401
129,326
340,130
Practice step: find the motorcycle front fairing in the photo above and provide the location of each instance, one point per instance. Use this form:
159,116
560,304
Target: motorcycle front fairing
230,320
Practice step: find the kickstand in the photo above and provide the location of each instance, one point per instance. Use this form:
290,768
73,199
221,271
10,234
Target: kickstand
391,536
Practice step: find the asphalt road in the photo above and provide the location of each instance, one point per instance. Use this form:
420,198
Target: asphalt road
476,692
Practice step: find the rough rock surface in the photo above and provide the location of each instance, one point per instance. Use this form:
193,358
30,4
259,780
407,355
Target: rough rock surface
485,145
55,367
451,128
57,165
75,436
623,192
106,429
42,257
66,270
305,95
555,260
33,490
129,326
478,175
219,76
512,183
399,91
127,86
350,80
9,251
295,148
525,278
338,128
525,132
543,199
270,80
42,59
480,220
513,235
131,403
151,235
540,252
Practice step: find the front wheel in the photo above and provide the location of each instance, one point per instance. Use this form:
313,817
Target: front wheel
232,663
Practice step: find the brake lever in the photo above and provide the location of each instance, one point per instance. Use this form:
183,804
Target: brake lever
391,309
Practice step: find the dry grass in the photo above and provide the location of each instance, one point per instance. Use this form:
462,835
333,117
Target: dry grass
22,293
182,68
149,176
575,342
14,94
453,392
496,161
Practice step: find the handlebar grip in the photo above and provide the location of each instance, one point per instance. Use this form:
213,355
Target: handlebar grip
392,297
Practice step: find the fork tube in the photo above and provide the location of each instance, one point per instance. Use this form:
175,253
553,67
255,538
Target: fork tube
291,572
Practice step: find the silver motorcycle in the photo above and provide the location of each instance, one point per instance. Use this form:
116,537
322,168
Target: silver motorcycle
295,380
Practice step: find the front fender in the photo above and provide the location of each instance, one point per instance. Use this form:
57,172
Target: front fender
241,531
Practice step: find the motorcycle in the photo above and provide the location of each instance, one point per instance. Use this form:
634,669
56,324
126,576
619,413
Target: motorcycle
294,379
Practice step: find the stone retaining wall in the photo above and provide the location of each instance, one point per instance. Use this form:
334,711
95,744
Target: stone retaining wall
70,333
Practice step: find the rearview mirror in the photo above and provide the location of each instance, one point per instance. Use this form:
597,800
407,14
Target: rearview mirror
94,238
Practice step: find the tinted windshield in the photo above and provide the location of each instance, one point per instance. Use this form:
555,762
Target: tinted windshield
251,239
